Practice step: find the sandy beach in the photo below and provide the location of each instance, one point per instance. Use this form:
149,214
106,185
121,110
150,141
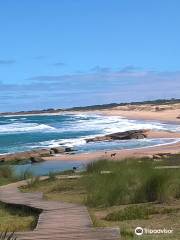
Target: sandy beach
162,113
165,113
172,148
119,154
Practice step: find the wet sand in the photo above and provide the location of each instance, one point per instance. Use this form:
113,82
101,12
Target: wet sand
118,154
121,154
169,113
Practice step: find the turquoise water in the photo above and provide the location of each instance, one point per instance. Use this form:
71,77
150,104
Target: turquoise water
22,133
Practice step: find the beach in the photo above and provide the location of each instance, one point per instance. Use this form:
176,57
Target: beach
172,148
163,113
70,129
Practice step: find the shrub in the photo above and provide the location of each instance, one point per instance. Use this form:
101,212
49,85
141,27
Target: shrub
138,212
52,176
33,181
6,171
129,181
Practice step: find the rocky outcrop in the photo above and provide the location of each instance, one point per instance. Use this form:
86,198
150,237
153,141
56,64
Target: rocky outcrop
133,134
56,150
34,155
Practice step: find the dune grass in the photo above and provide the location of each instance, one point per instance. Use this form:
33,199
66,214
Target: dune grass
127,194
7,174
129,182
68,190
17,218
134,212
13,217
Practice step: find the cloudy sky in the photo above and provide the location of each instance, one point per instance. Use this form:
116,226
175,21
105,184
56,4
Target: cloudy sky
64,53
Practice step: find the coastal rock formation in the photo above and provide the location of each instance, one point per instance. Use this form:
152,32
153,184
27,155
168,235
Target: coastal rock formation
34,155
55,150
133,134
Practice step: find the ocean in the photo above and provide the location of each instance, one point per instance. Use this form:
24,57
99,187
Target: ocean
21,133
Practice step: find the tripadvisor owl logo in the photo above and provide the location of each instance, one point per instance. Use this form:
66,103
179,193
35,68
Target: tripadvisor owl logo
139,231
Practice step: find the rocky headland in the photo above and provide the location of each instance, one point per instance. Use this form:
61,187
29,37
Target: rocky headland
132,134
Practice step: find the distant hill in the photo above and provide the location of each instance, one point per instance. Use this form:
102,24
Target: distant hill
95,107
111,105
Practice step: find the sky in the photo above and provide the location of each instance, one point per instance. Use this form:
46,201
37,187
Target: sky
64,53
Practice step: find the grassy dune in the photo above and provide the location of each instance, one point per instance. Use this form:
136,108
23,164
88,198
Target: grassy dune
130,182
16,218
7,175
126,194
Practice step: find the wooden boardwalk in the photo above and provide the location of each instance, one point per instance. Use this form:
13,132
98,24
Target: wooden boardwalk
58,220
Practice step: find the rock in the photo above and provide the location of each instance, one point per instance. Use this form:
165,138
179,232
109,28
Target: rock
35,159
157,156
149,156
57,150
32,156
68,149
161,155
132,134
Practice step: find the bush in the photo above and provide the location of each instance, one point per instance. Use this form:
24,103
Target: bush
7,174
6,171
33,181
138,212
129,181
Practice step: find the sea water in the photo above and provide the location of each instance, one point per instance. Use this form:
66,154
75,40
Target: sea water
22,133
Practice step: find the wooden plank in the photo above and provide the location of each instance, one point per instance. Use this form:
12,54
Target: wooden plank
58,220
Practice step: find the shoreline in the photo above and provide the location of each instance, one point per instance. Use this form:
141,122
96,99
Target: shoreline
166,112
168,148
63,155
149,151
147,113
138,112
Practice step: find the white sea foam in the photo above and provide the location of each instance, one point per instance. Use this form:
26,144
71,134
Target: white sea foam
112,124
24,127
72,142
74,131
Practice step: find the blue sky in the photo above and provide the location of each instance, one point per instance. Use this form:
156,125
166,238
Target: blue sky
63,53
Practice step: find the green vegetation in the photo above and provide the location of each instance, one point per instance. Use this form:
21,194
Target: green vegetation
127,194
7,174
96,107
17,218
129,182
111,105
134,212
68,190
14,217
